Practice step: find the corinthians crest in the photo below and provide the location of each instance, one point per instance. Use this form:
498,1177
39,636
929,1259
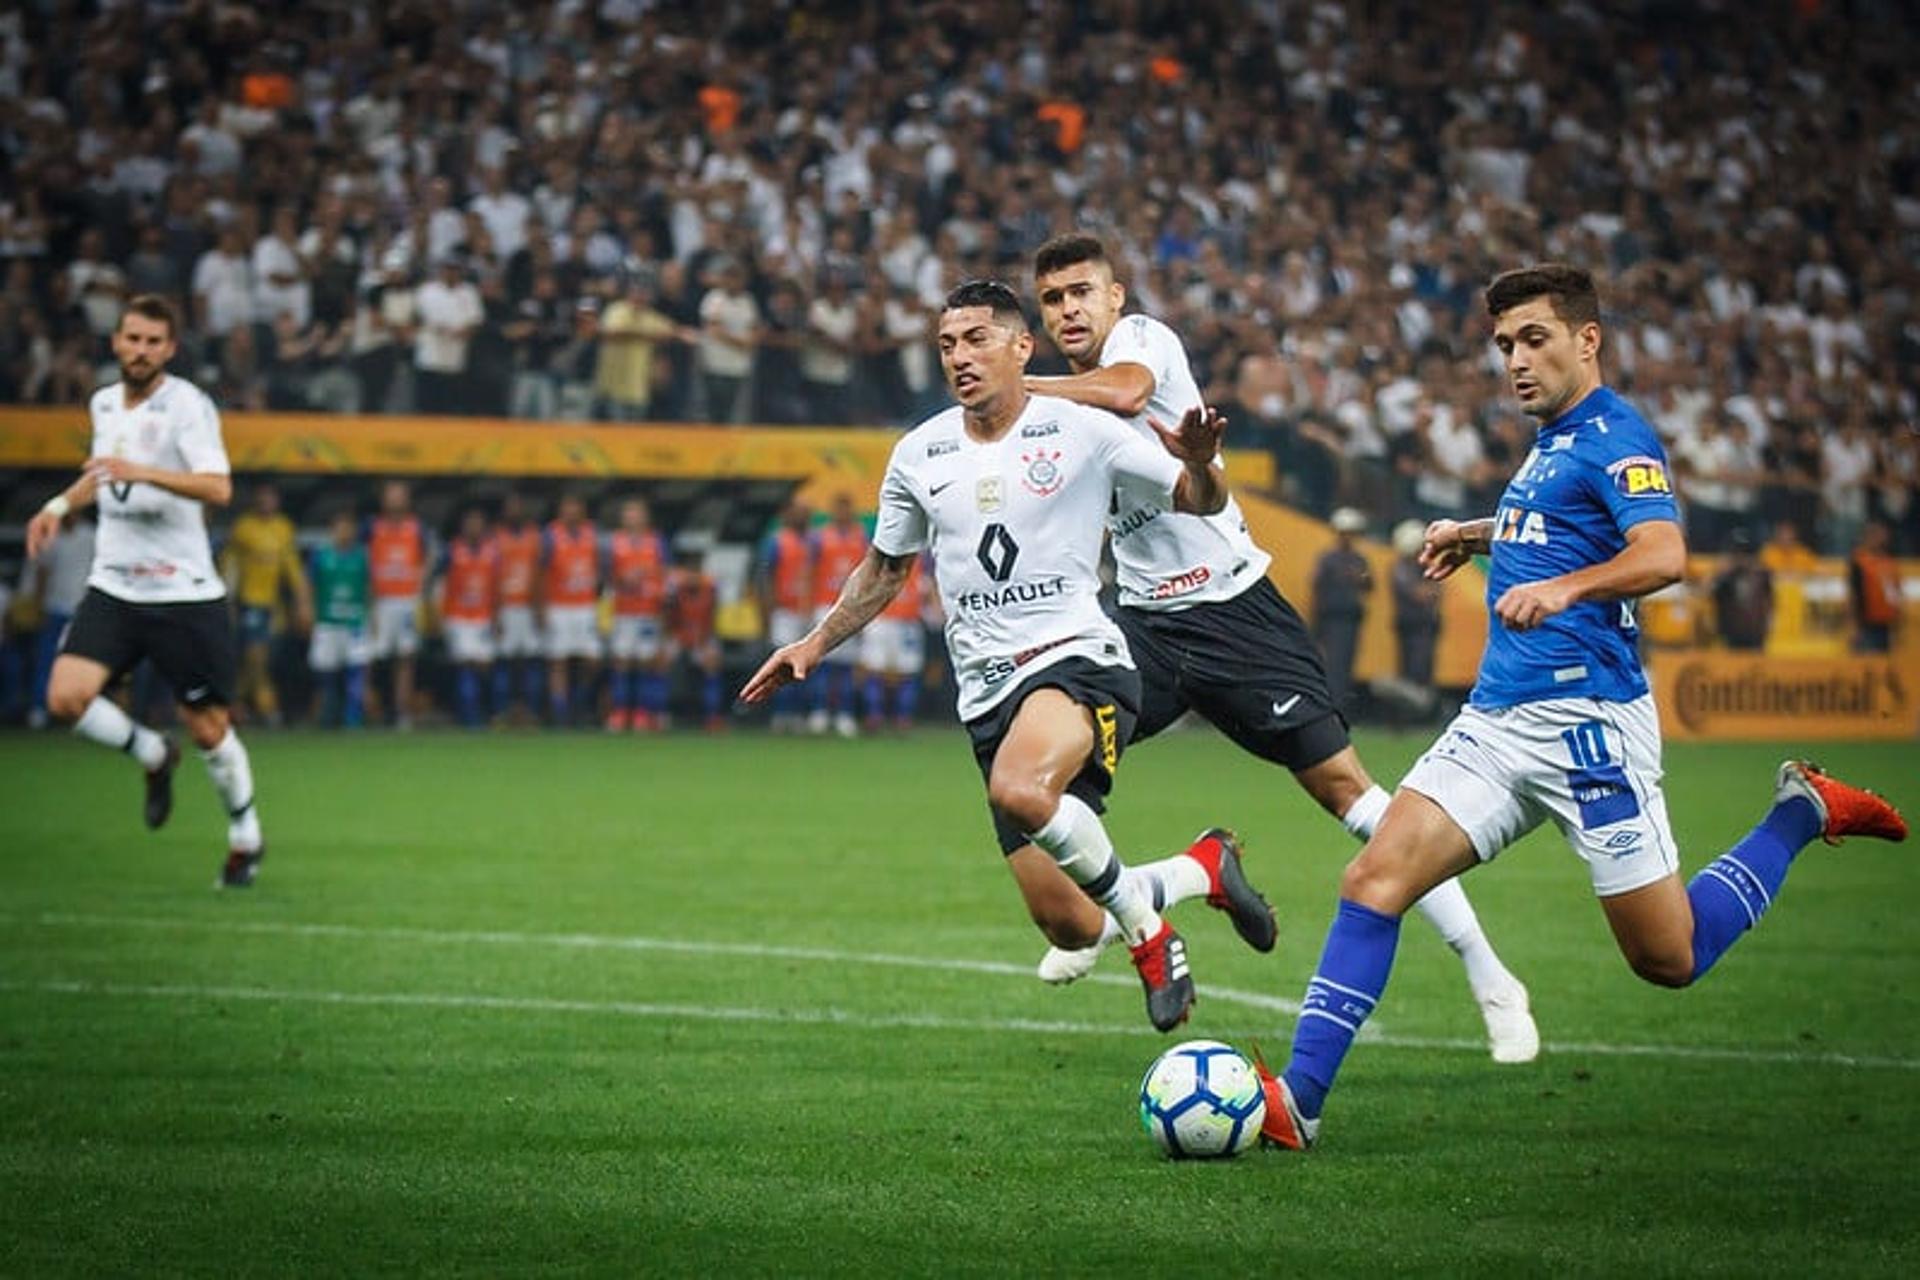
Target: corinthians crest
1043,475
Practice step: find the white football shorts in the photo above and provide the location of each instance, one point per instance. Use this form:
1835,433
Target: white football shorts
784,626
894,646
469,642
573,631
519,638
396,627
635,638
334,647
1590,765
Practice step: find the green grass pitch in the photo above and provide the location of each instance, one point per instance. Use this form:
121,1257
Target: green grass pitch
741,1005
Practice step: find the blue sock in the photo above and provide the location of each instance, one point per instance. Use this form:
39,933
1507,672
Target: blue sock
840,688
1345,988
653,692
710,694
502,684
531,686
467,686
356,712
1733,891
559,704
619,688
906,698
876,698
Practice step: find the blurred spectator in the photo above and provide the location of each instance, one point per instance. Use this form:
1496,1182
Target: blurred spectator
729,322
1847,463
693,599
1342,581
223,293
448,310
1416,607
340,649
1873,586
538,330
631,330
1786,555
50,591
779,391
280,285
827,357
1743,596
261,563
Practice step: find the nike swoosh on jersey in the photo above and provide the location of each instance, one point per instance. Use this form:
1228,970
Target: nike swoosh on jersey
1280,709
934,491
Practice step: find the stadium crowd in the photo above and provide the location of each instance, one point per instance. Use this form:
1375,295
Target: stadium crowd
745,212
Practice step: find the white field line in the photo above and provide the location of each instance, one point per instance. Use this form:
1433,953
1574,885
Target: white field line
818,1016
605,942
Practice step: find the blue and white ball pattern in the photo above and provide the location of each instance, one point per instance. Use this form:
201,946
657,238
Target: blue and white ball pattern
1202,1100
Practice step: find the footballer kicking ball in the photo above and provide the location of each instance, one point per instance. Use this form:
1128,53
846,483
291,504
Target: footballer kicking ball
1202,1100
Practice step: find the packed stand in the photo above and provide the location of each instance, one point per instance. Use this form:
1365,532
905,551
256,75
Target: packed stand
747,213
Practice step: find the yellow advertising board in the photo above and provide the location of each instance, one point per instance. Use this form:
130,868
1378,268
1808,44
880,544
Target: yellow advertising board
1717,695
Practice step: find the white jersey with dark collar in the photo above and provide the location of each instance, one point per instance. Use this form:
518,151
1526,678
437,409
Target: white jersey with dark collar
152,546
1015,528
1167,560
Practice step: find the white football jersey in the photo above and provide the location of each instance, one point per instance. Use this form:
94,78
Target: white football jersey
1168,560
152,546
1015,528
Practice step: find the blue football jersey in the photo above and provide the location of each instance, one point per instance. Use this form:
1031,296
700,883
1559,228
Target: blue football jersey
1594,472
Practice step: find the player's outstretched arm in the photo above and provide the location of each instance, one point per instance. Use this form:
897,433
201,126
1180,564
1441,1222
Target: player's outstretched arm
1451,543
874,582
1122,388
44,527
1655,557
1202,487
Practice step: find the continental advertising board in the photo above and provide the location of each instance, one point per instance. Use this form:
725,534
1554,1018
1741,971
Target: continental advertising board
1708,696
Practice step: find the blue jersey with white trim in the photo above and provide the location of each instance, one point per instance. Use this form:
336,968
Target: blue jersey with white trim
1593,473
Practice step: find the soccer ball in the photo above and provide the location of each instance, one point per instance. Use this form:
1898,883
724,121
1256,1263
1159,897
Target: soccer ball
1201,1099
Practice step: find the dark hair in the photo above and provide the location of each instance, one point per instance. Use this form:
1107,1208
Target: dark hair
1068,250
1571,291
1003,301
153,307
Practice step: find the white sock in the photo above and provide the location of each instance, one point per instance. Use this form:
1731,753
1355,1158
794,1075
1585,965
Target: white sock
1364,814
108,725
1078,842
1109,934
1446,908
1173,880
232,775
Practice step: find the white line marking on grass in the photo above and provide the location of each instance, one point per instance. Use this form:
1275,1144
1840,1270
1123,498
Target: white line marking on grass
866,1021
1374,1032
544,1004
592,941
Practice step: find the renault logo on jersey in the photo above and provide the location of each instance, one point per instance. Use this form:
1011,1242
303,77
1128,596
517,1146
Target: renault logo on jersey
1640,477
997,552
1043,477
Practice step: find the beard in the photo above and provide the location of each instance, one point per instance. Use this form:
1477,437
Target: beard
137,381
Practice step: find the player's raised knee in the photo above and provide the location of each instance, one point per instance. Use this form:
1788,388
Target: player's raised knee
1376,881
1025,802
1663,969
68,695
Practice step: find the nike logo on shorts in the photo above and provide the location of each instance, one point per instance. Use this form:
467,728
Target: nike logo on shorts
1280,709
